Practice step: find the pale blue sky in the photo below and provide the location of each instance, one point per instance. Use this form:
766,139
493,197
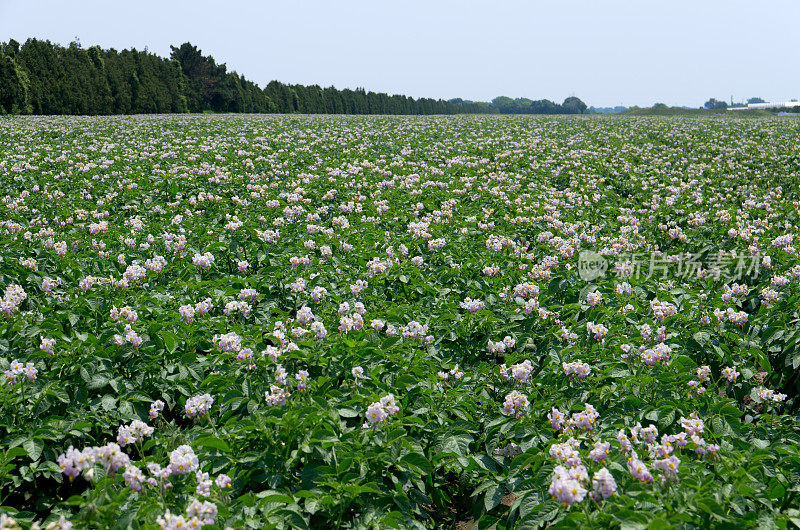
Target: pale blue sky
679,52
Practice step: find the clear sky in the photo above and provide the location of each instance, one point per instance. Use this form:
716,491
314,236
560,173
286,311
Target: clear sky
607,52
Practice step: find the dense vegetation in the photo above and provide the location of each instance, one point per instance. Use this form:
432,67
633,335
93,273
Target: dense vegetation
40,77
506,105
362,322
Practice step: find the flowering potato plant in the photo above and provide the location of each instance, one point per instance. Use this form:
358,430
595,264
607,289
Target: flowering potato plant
371,322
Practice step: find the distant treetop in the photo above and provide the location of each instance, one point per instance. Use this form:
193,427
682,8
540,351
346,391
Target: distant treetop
713,104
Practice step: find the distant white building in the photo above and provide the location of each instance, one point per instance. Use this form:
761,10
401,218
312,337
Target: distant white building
781,105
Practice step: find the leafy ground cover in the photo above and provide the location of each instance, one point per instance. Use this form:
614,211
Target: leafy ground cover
341,322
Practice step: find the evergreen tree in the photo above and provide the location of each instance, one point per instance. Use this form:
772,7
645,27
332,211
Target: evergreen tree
14,91
44,78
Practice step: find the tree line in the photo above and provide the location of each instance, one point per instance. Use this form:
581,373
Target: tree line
40,77
506,105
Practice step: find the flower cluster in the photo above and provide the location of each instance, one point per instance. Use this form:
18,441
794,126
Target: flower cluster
237,306
127,314
766,395
48,346
473,306
197,515
579,421
412,331
730,374
734,317
454,372
276,396
660,353
136,432
17,369
182,460
74,462
662,310
518,372
230,342
515,404
358,374
199,405
526,290
662,451
130,337
188,312
571,477
28,263
577,369
502,346
203,261
49,284
12,298
598,331
381,411
155,408
594,298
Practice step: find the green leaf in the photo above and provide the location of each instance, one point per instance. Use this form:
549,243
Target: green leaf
75,500
33,448
631,520
457,444
59,393
171,341
275,496
763,362
702,338
212,442
528,504
109,402
619,371
418,461
293,518
540,514
493,497
17,440
485,462
15,452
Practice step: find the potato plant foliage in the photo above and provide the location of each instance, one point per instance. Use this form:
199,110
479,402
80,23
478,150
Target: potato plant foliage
374,322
